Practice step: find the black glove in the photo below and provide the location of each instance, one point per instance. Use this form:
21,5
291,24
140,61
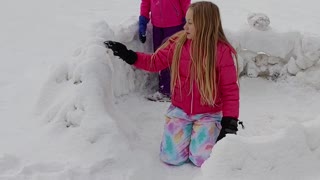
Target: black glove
121,50
229,126
142,37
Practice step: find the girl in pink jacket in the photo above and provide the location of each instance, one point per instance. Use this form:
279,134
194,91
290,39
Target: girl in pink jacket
167,17
204,85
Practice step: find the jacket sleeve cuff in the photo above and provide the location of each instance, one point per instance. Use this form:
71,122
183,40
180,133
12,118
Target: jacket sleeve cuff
144,20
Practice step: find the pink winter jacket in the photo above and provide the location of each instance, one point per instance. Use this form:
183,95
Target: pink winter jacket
227,99
165,13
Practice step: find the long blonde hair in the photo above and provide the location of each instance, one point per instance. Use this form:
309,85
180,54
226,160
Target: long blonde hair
207,22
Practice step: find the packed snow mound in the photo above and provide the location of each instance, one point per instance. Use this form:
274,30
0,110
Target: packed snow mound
273,54
310,77
256,155
259,21
79,95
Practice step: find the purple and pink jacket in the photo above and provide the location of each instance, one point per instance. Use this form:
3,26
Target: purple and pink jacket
227,99
164,13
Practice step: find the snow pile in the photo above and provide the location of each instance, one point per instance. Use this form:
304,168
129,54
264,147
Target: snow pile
269,157
273,54
260,64
85,87
76,104
310,77
259,21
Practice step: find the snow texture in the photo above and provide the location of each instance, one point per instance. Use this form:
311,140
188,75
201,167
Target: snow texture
259,21
70,110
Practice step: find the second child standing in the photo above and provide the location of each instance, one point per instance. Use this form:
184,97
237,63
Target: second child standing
167,17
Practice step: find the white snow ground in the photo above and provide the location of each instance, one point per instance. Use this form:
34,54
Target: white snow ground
69,110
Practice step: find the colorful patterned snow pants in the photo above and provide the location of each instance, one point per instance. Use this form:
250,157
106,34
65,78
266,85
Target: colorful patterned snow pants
188,137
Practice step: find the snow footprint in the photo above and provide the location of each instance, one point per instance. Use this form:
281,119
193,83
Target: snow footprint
67,72
74,116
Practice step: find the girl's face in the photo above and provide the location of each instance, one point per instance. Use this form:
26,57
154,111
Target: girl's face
189,26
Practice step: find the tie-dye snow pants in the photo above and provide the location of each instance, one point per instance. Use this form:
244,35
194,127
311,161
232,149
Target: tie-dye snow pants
188,137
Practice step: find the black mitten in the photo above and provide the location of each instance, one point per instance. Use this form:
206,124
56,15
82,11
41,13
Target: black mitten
229,126
142,37
121,50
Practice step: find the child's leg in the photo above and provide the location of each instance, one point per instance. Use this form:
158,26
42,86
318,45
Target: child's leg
164,82
164,76
157,37
174,149
169,31
205,132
